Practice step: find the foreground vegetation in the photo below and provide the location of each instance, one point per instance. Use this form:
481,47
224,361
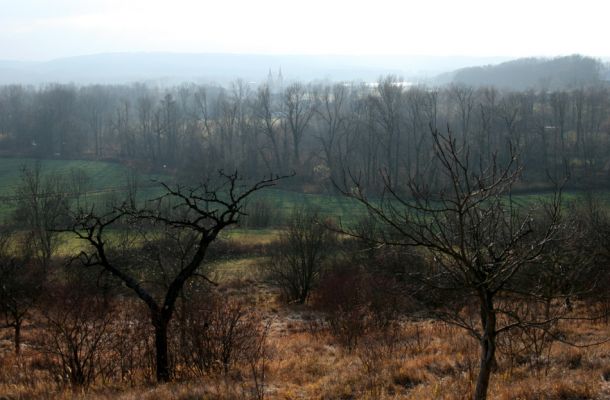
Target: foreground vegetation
306,356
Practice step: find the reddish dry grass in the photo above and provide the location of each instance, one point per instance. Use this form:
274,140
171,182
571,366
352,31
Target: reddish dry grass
428,360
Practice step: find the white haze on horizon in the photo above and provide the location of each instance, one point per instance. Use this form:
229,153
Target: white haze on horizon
48,29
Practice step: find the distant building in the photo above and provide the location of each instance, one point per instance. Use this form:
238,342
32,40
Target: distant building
276,84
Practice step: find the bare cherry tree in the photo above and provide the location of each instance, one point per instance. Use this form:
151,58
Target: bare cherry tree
476,235
199,214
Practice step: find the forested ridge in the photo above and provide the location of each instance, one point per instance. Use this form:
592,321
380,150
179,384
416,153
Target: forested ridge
559,73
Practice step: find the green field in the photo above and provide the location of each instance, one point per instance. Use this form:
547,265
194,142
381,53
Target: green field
103,175
283,202
105,179
108,179
349,211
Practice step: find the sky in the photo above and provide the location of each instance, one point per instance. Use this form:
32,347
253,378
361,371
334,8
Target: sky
46,29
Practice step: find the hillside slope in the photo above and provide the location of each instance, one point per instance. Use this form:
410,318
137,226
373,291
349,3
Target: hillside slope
534,73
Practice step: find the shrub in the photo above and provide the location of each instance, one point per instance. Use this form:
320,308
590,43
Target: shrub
216,334
301,256
356,303
76,332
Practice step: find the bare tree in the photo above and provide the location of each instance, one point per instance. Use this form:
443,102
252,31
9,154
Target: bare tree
197,213
145,110
268,125
20,283
77,320
42,206
333,122
476,234
465,101
169,111
94,102
387,106
300,107
301,255
124,131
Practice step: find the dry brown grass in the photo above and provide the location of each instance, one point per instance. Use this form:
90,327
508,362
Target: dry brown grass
432,361
426,360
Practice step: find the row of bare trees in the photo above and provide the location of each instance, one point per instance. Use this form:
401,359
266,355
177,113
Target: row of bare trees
318,130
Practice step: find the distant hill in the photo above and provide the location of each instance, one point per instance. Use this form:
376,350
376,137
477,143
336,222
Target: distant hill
175,68
172,68
534,73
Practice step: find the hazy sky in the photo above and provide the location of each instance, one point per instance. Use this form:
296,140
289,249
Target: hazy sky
45,29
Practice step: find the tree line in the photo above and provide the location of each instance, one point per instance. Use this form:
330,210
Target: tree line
318,130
